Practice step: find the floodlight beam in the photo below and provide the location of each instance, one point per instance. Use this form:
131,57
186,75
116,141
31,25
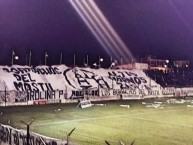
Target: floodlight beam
102,29
91,26
92,10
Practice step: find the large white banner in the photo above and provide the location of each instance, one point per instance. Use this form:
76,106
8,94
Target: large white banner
60,82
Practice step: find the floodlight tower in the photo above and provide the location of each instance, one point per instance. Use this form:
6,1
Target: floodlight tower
13,57
100,61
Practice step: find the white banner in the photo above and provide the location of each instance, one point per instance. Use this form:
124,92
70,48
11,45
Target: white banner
61,82
12,136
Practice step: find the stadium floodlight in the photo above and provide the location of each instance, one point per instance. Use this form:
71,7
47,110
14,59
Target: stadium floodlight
100,60
13,57
95,65
16,57
28,126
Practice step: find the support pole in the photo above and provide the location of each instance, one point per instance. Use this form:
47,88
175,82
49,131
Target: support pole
28,127
68,136
5,96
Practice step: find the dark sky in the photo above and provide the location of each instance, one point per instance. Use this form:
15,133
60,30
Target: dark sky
158,27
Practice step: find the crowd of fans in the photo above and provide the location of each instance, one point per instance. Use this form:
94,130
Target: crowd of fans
172,78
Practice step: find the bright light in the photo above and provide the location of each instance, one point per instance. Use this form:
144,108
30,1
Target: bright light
95,64
167,61
165,65
101,59
113,64
16,57
186,65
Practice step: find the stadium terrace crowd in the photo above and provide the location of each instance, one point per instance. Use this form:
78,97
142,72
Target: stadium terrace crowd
173,78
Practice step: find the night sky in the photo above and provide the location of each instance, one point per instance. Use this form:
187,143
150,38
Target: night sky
163,28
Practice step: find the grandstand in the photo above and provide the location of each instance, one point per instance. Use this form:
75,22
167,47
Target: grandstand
175,78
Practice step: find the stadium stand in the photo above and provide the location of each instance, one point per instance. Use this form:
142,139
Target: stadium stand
175,78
